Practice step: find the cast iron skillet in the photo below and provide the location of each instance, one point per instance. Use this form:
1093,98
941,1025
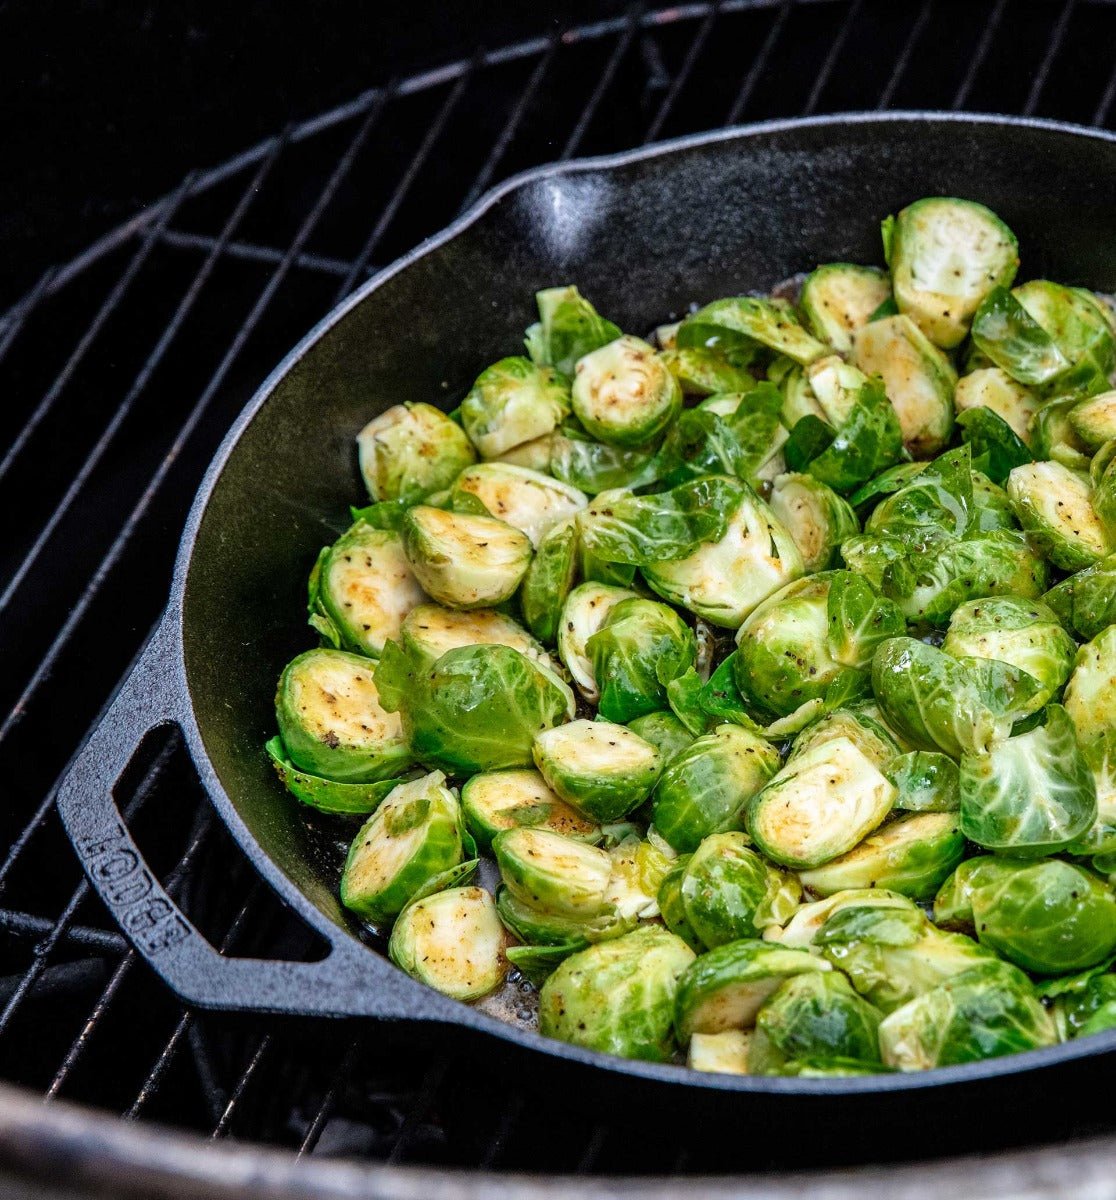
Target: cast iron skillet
641,233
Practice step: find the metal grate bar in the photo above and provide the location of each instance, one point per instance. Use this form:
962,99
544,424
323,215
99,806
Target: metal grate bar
431,1084
329,1100
87,339
619,52
242,1085
12,323
494,1149
592,1151
403,187
759,64
1104,106
250,252
124,537
987,37
80,894
27,925
697,44
511,125
837,45
124,967
124,408
903,59
1057,37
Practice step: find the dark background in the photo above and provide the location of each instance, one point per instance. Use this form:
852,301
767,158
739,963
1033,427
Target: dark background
104,106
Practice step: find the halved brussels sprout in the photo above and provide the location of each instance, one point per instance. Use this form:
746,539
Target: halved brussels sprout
410,451
665,732
453,942
891,952
477,708
1009,336
1049,917
1024,633
672,908
819,805
361,589
1054,505
1054,438
994,389
927,780
618,996
538,927
332,721
602,769
526,500
725,579
729,892
1090,695
553,873
723,1053
705,372
704,788
933,700
497,800
861,723
1100,837
1094,420
624,394
811,1017
534,455
430,630
739,322
639,648
911,855
725,988
326,795
411,839
513,402
1086,602
1031,794
550,579
462,560
586,609
783,654
945,256
815,516
569,327
839,298
918,378
981,1013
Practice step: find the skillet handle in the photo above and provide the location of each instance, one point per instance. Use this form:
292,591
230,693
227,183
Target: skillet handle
350,981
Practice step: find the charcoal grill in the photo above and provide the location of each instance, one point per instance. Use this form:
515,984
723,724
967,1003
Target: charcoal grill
124,367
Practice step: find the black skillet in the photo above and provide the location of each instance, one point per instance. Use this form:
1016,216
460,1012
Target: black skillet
643,234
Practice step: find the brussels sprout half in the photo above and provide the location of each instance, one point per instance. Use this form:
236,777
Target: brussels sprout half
1024,633
601,769
569,327
839,298
705,787
411,839
497,800
1053,437
810,1017
430,630
725,579
453,942
462,560
410,451
981,1013
820,805
945,256
815,516
705,372
1094,420
1100,837
723,1053
911,855
861,723
994,389
1090,695
927,781
729,892
553,873
513,402
1054,505
618,996
526,500
333,723
665,732
584,612
624,394
725,988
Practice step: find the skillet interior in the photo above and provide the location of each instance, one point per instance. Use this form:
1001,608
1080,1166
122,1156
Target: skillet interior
641,235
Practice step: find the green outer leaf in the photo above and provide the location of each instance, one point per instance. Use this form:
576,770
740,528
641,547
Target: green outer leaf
859,620
996,447
809,439
723,887
538,963
869,440
928,781
549,580
342,799
1015,341
594,467
739,321
569,328
684,695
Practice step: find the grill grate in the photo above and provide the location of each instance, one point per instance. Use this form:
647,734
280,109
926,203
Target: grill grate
122,371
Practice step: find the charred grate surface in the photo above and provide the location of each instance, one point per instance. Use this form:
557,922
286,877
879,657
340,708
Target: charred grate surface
122,370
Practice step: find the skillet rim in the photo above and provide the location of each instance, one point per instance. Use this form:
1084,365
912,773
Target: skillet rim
431,1006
